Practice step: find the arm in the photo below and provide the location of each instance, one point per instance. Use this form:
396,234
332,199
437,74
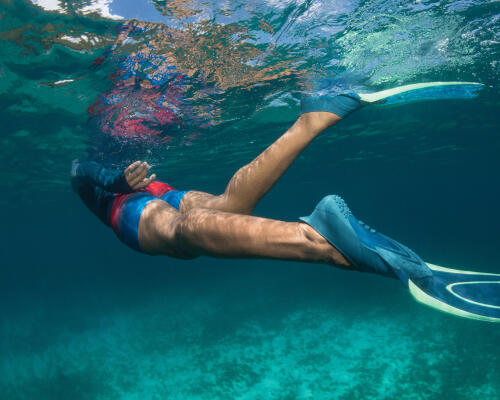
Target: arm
96,185
89,173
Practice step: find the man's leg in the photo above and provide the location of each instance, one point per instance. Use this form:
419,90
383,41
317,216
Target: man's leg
201,231
254,180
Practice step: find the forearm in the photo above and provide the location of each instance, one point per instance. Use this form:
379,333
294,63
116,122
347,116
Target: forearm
92,173
95,198
96,186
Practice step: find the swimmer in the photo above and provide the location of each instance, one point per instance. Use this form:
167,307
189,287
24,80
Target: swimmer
154,218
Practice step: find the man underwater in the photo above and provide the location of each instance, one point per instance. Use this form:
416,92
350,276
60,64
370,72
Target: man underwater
154,218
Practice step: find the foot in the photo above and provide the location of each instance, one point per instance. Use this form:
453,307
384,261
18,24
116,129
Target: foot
340,105
361,245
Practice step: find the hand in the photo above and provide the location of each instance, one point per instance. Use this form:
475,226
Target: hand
136,173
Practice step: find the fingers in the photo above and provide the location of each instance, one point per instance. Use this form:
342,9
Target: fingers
136,172
136,178
145,182
138,175
131,167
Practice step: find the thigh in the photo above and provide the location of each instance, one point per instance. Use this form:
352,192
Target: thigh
195,199
157,230
222,202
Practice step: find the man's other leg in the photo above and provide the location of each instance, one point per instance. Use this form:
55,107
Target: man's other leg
251,182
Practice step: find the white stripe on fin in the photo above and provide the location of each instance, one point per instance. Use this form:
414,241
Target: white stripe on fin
458,271
383,94
450,287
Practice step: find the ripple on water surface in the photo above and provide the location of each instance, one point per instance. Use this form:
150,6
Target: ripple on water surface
238,61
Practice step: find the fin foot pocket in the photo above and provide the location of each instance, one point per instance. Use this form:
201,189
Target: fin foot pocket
363,246
342,104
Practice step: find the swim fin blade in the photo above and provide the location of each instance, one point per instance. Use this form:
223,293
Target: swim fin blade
466,294
342,104
463,293
423,91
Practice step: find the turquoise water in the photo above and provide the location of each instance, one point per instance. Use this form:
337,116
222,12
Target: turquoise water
84,317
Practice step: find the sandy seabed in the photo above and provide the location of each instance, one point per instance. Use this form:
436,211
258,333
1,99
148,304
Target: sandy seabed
193,350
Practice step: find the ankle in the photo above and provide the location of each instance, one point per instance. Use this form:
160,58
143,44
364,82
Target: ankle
318,121
320,245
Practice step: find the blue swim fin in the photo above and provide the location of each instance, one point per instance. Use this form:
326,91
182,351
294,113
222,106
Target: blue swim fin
342,104
463,293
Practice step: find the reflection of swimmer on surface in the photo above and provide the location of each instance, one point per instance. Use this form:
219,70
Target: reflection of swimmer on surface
154,218
145,100
164,78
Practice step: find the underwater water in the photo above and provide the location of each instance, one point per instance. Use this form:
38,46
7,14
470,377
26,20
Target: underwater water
199,88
